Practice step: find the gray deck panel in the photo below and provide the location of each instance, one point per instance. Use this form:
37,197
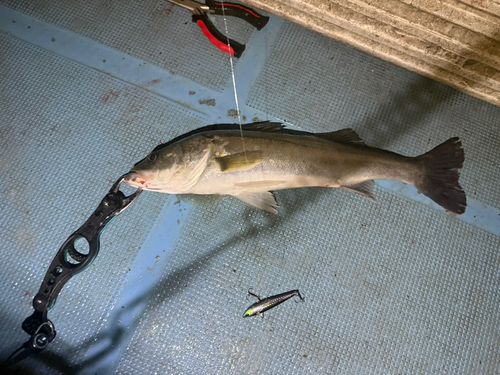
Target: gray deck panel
391,286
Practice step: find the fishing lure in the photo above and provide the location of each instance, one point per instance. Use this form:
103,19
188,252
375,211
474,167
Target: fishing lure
259,307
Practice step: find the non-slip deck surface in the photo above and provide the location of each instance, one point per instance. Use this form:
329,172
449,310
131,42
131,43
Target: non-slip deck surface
395,285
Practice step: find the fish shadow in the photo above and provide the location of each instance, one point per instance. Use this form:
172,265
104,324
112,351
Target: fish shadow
169,286
413,104
405,110
252,221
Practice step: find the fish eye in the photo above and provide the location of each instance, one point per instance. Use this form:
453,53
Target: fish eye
152,157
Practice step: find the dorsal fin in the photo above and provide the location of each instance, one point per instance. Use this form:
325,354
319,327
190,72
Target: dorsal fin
345,136
256,126
264,126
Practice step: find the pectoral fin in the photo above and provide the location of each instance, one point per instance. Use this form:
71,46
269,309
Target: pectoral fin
239,162
264,201
364,188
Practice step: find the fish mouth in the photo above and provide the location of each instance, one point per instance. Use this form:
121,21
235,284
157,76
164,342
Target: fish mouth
140,179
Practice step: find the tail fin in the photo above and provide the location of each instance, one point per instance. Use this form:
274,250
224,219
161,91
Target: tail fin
441,180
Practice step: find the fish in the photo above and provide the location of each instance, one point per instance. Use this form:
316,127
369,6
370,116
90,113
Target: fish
261,306
252,161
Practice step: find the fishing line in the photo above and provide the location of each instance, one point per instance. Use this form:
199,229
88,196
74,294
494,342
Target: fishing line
238,112
234,80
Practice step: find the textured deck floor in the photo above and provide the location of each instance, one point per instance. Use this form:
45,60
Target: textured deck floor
392,286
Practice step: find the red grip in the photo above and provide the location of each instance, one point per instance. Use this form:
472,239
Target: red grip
216,42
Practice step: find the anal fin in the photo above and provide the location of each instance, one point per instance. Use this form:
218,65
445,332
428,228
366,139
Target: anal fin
364,188
264,201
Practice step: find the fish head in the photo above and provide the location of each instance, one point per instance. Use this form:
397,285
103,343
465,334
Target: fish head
155,171
174,168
